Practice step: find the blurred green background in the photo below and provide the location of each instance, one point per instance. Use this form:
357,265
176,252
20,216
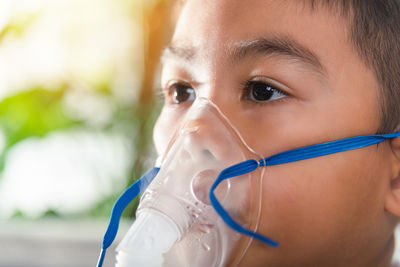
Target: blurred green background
77,108
77,104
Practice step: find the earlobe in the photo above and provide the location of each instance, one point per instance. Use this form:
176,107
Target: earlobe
393,198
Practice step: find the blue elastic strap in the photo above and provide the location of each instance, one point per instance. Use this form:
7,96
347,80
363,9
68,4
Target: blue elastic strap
135,189
236,170
286,157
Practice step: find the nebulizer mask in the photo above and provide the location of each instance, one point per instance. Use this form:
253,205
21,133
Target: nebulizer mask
176,224
201,207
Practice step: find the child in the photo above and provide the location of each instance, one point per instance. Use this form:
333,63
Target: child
289,74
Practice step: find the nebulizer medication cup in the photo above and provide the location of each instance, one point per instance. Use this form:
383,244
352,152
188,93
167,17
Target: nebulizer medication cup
176,224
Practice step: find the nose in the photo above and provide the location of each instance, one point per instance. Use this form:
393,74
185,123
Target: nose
210,141
208,135
226,104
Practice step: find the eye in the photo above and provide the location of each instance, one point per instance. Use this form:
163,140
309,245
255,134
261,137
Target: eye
181,92
260,91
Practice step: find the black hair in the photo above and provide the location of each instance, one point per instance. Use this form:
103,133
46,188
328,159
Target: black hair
374,30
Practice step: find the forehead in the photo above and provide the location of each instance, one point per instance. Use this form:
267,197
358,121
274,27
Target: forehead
248,14
217,28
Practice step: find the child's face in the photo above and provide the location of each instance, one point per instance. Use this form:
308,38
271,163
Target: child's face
320,210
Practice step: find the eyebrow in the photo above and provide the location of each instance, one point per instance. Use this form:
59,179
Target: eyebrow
178,51
281,46
276,45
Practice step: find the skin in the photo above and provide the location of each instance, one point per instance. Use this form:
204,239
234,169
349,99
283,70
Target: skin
335,210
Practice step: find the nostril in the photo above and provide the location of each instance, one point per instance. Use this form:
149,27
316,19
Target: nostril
207,153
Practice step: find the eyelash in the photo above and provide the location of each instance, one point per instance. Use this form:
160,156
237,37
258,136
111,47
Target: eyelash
247,91
165,93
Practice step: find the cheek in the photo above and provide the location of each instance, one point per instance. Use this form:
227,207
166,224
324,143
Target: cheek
321,199
163,131
166,126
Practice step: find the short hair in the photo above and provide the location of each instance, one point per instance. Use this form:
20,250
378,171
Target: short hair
374,30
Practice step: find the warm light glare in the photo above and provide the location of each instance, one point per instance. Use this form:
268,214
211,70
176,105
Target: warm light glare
86,45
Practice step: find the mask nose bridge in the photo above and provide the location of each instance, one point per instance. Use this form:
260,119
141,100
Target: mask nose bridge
208,132
197,132
222,102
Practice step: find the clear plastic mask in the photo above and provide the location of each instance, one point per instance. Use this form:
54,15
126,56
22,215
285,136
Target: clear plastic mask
205,145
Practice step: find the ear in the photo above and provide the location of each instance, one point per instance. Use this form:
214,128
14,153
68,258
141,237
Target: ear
393,198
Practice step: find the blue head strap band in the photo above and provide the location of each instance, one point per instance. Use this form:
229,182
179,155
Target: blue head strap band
236,170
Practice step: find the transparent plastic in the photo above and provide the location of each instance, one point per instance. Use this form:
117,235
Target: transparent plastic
176,225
